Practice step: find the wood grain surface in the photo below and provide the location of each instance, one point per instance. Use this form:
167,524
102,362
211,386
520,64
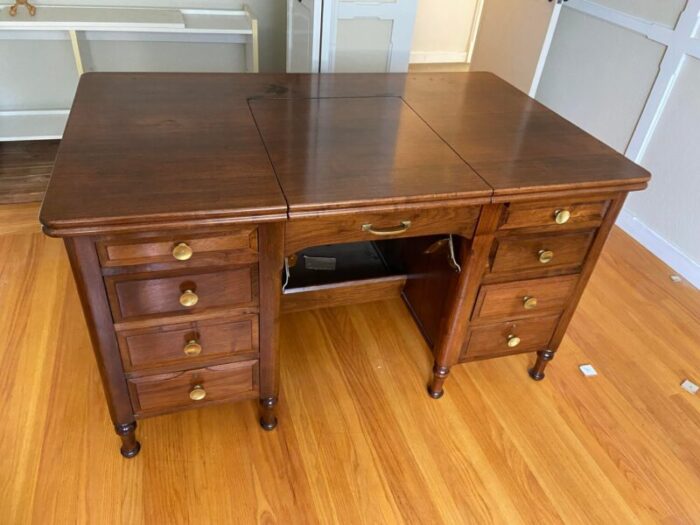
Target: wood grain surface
358,439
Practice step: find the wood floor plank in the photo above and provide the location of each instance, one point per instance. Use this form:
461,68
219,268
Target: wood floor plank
359,440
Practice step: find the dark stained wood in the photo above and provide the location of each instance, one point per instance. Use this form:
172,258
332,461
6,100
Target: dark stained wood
142,148
521,253
585,213
159,294
343,152
271,263
86,271
150,160
491,340
344,293
153,394
507,300
164,345
313,230
129,252
25,168
473,257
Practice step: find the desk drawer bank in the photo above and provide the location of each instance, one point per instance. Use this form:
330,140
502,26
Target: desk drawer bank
196,209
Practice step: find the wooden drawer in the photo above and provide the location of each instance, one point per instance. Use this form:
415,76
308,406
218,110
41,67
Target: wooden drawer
570,213
350,227
516,254
491,340
143,294
523,298
166,392
213,248
188,343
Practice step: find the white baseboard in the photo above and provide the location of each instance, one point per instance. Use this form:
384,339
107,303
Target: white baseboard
664,250
437,57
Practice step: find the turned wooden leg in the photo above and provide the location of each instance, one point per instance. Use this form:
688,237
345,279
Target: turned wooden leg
268,416
440,373
127,432
543,357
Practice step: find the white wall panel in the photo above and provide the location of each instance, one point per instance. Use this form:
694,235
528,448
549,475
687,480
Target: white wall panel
665,12
106,55
363,45
670,205
599,76
27,67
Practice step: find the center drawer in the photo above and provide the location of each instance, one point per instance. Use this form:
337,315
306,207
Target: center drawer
133,296
192,388
187,343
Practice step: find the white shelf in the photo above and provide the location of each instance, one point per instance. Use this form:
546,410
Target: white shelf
81,24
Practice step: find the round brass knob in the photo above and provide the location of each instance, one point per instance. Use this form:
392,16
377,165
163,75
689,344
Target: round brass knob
197,393
188,298
545,256
529,302
513,341
562,216
192,348
182,252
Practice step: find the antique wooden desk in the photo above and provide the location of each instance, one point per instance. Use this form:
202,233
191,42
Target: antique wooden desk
197,208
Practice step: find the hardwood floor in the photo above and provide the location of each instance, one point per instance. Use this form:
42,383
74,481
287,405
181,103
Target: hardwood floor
25,168
359,439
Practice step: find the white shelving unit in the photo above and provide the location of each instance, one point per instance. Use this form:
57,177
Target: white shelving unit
84,24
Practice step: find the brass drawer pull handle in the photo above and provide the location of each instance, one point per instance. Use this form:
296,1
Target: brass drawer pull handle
192,348
197,393
188,298
402,227
182,252
545,256
529,302
513,341
562,216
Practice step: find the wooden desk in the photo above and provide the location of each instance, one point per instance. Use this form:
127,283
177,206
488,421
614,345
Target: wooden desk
198,208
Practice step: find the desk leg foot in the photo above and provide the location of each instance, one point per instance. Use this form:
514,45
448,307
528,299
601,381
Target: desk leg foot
435,389
543,357
127,432
268,417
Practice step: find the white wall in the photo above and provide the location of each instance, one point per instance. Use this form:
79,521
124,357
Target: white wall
633,80
442,30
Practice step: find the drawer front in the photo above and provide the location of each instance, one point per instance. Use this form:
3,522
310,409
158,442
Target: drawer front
371,226
524,298
136,296
555,215
188,343
519,254
183,249
493,340
193,388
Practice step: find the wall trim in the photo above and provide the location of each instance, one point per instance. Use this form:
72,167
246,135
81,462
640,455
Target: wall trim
660,247
437,57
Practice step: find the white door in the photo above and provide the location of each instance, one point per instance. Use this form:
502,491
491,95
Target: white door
344,36
513,40
303,35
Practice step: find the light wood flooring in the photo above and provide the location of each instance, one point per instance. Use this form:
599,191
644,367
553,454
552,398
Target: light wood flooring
359,440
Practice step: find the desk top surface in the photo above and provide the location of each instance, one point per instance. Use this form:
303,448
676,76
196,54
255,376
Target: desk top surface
148,149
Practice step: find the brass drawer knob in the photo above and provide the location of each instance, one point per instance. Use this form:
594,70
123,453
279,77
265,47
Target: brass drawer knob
545,256
513,341
393,230
192,348
529,302
197,393
182,252
188,298
562,216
